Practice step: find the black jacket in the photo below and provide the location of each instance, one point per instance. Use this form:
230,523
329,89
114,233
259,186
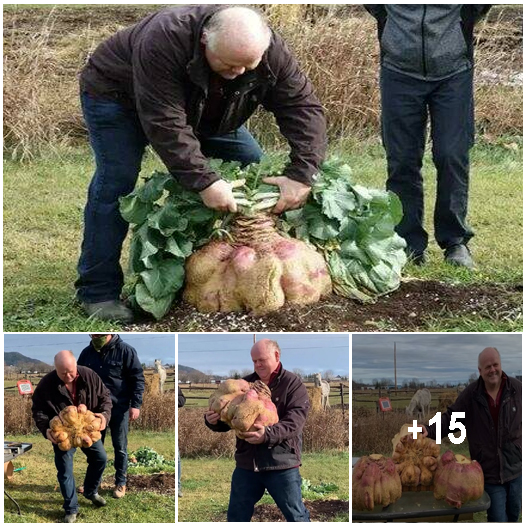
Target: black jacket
498,451
51,396
427,41
120,369
158,67
181,398
282,446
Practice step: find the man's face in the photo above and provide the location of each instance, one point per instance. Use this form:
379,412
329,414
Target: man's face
265,361
67,371
490,368
231,63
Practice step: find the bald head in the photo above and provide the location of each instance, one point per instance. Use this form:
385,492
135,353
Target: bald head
235,40
490,368
66,366
265,356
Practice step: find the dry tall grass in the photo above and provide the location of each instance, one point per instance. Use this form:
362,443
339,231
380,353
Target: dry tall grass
157,414
323,431
337,49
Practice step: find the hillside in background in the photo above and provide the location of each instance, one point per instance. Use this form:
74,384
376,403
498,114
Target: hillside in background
16,358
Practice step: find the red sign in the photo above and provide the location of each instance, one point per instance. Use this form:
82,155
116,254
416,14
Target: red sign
385,404
24,387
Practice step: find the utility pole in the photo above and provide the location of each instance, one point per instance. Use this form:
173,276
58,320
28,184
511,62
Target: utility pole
396,384
254,338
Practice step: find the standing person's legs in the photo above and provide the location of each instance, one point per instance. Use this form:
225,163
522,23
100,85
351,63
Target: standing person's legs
119,425
64,465
452,129
497,508
514,499
97,458
284,487
246,489
404,119
118,142
238,145
179,491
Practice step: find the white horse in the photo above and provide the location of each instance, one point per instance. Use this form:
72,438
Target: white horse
161,371
325,390
420,404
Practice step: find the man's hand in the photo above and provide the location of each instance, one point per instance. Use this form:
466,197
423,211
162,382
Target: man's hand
293,193
212,417
134,413
424,430
49,436
218,196
103,420
255,437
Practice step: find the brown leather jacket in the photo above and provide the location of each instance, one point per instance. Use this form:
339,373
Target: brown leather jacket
498,451
283,441
158,67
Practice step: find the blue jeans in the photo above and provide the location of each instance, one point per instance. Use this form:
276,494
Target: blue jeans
506,500
283,485
118,142
119,438
407,104
96,456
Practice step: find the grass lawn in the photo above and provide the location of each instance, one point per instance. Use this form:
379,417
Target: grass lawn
206,484
43,204
38,494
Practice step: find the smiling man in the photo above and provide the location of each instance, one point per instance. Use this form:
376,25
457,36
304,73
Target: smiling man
269,458
493,421
185,80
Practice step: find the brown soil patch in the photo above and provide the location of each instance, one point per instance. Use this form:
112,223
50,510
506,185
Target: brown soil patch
163,483
320,511
408,309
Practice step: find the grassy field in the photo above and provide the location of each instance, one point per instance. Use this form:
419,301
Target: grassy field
206,484
39,293
36,487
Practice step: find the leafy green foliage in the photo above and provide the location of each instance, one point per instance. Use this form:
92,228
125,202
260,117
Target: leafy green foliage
351,225
148,457
323,488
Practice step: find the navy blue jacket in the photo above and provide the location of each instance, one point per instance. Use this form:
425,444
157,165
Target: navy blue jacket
119,367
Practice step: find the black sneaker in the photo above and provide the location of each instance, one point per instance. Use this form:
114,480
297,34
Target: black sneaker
459,256
97,500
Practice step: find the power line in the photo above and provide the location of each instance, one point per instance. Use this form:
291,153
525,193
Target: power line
85,342
282,348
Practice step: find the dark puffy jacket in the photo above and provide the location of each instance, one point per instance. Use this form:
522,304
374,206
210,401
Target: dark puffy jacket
159,67
51,396
182,400
282,446
499,452
120,369
427,41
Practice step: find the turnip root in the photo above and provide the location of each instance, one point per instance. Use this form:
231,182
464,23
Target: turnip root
458,479
375,480
75,427
241,405
258,270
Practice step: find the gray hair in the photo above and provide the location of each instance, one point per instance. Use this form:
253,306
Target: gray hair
273,346
487,349
254,26
59,357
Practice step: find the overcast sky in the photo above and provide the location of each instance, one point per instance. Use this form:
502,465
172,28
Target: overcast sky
43,347
440,357
221,353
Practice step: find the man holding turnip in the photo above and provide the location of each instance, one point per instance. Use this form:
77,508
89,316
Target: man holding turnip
269,457
186,80
427,73
493,422
72,387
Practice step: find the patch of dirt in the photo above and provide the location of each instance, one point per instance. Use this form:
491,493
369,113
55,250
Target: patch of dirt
163,483
320,511
410,309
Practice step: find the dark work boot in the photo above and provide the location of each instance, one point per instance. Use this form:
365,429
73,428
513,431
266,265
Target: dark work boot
109,310
97,500
416,258
459,256
70,517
